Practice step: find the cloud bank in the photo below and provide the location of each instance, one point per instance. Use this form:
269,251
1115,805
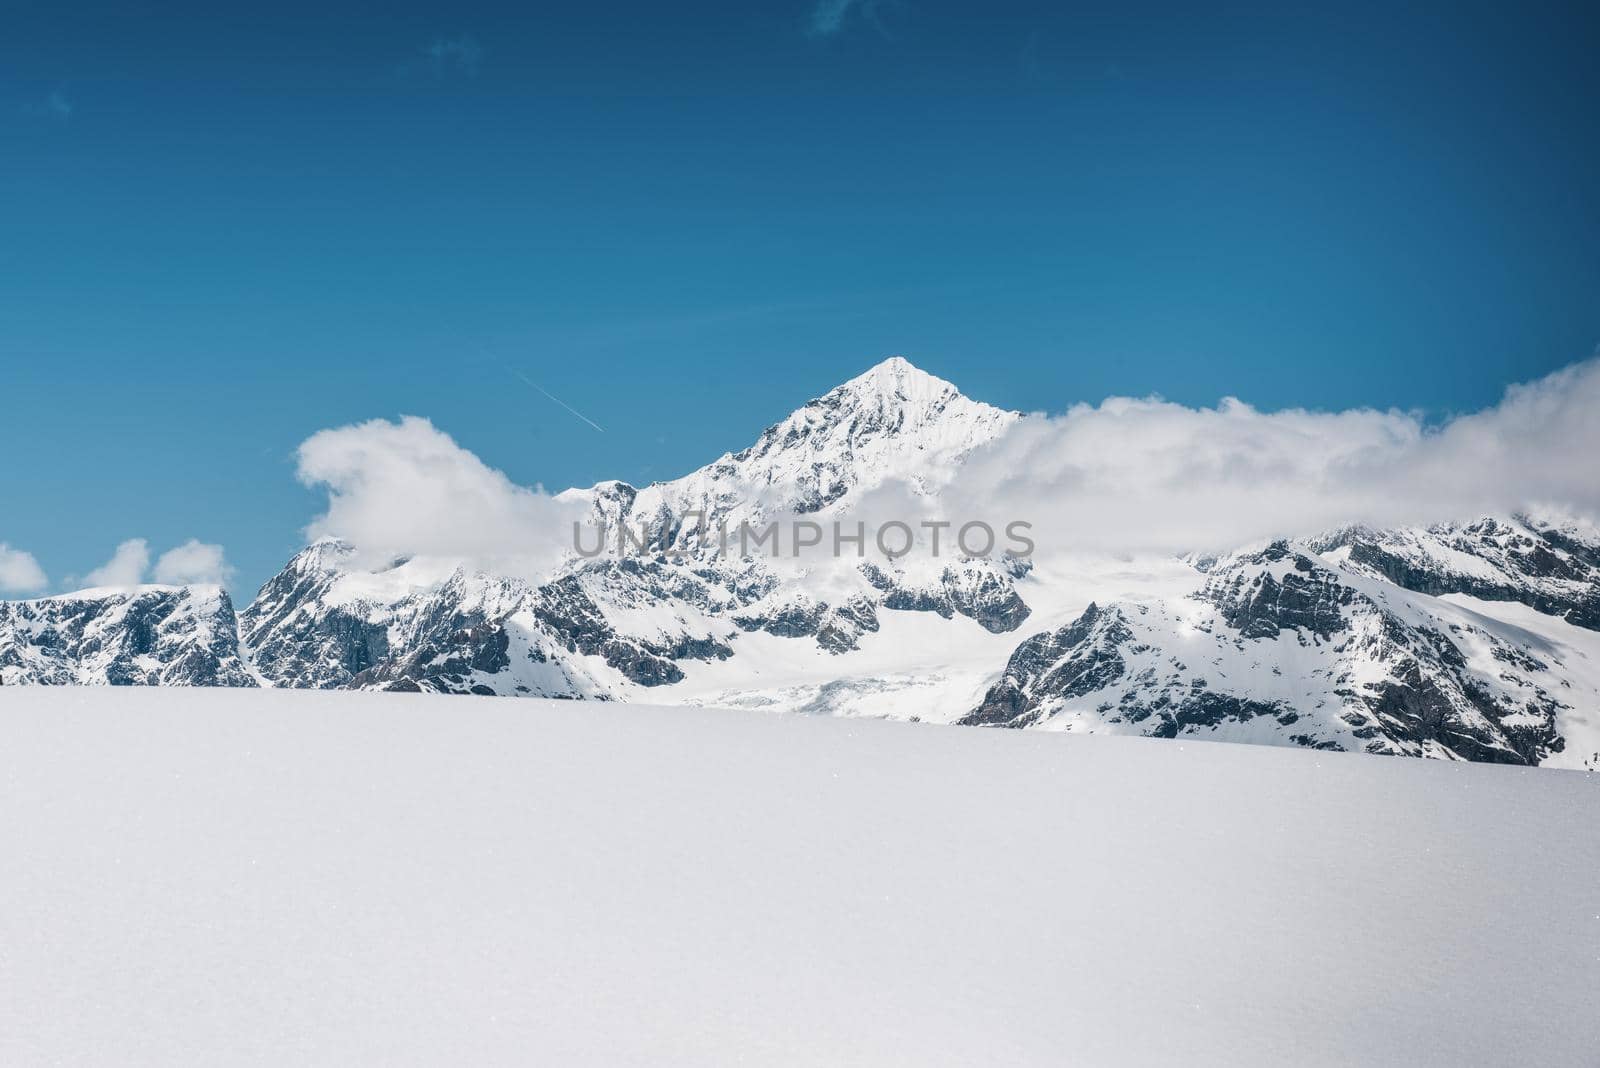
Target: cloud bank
1150,475
20,572
1124,476
398,489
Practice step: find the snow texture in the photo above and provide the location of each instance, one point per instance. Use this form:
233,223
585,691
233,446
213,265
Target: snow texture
252,876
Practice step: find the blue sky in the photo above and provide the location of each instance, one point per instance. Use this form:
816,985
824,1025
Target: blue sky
221,232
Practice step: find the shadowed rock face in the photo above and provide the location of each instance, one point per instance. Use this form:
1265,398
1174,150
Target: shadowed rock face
298,638
1260,602
567,611
1077,659
836,628
1085,658
456,636
305,632
443,664
145,636
982,590
1279,645
1544,566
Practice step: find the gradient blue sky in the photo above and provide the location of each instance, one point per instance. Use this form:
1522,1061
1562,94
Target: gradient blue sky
220,232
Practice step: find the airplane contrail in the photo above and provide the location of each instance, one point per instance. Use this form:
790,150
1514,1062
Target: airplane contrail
557,399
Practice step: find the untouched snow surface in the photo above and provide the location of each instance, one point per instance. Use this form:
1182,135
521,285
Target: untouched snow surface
207,876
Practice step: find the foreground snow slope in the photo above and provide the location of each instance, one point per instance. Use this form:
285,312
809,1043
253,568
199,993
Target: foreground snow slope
209,876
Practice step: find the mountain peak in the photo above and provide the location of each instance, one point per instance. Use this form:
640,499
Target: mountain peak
896,378
894,367
893,421
327,553
896,402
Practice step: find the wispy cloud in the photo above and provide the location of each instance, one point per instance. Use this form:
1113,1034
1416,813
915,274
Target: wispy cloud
461,54
828,17
55,107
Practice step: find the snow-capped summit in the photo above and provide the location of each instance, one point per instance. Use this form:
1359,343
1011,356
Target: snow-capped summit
892,422
894,388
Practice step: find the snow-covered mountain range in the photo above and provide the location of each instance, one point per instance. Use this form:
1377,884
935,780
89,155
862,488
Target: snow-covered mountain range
145,636
1477,641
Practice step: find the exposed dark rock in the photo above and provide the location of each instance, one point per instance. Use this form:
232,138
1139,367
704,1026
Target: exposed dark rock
836,629
1259,604
145,636
1391,686
1078,659
1546,568
981,590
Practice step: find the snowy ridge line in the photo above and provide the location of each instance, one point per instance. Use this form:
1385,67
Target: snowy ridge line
1476,641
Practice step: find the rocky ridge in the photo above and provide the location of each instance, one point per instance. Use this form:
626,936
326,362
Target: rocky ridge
1405,641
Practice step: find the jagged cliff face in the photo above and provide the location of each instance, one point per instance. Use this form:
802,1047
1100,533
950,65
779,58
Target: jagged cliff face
301,633
1287,646
1476,641
612,627
1549,565
144,636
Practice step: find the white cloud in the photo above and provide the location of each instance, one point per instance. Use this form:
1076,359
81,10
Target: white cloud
407,489
19,571
193,562
1130,475
125,568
